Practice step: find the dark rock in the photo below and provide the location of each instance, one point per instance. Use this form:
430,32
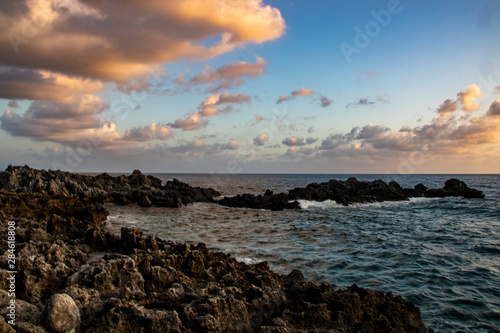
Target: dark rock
454,188
145,202
145,190
89,280
347,192
269,201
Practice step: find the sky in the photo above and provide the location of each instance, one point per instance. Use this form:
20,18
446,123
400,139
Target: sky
251,86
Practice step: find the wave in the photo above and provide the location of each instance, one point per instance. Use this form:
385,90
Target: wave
330,204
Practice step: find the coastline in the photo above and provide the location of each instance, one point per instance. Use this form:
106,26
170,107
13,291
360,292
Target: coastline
136,283
132,280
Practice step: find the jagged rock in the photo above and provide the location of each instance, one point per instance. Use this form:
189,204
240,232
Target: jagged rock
61,314
268,201
454,188
86,279
346,193
123,190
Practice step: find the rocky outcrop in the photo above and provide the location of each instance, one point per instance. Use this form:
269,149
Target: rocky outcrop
267,201
348,192
72,275
136,188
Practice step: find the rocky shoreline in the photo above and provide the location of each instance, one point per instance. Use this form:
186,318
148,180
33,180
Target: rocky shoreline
73,276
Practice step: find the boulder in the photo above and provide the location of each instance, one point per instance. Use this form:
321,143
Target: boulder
61,314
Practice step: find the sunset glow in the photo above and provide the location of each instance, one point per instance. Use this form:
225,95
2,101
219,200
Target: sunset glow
272,87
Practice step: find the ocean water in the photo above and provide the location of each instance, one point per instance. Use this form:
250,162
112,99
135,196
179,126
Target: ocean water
441,254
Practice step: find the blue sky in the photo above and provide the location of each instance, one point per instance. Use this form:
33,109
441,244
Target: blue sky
194,88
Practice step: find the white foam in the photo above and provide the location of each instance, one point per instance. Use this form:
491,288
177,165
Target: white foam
248,261
327,204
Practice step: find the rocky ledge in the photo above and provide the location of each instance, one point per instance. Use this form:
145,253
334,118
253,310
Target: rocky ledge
72,276
348,192
136,188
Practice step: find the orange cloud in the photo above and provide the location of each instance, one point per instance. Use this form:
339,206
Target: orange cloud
302,92
210,107
67,37
282,99
260,140
230,75
468,98
30,84
193,122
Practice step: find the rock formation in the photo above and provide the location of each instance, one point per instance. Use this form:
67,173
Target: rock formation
348,192
74,276
136,188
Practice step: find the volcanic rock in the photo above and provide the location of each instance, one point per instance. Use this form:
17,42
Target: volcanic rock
347,192
123,190
84,278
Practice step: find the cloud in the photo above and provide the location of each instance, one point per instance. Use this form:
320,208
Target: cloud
232,145
325,102
444,135
43,85
302,92
193,122
298,141
448,106
191,148
366,101
311,141
333,141
294,153
228,76
310,130
369,74
293,141
468,98
360,102
371,131
13,104
260,140
161,31
147,133
282,98
494,110
196,147
366,76
76,124
54,121
210,106
258,118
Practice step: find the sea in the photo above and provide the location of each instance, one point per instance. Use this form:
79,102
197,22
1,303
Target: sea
443,254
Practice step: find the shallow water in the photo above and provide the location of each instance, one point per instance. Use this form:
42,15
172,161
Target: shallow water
441,254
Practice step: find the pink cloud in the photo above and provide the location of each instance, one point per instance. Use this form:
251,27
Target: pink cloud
302,92
230,75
